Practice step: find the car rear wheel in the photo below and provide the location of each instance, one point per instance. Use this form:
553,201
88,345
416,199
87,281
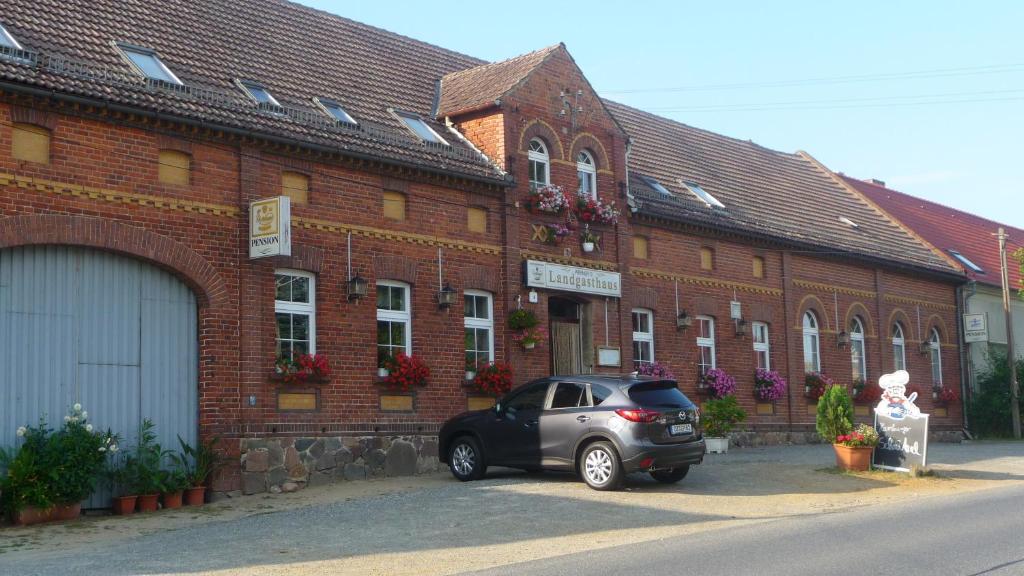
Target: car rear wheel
600,466
670,475
466,459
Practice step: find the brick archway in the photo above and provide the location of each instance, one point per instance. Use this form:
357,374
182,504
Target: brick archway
114,236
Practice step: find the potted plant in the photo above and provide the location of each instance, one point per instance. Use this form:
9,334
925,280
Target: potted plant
588,239
384,359
407,371
592,210
470,369
493,379
143,465
946,396
530,337
303,368
549,198
864,393
835,415
198,463
717,383
815,384
655,369
174,483
25,493
720,416
769,385
555,233
522,319
79,457
122,484
853,450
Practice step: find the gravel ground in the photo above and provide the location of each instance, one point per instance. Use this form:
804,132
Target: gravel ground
434,525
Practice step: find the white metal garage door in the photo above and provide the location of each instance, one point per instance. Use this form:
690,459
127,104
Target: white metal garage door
114,333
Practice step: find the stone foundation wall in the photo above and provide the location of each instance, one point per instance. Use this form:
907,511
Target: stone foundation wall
288,464
747,438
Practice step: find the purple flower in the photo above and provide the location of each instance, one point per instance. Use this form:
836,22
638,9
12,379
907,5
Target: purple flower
656,369
768,385
720,383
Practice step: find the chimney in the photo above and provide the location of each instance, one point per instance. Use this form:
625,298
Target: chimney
877,182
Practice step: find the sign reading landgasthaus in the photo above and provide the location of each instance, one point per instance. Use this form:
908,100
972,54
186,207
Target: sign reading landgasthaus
270,228
573,279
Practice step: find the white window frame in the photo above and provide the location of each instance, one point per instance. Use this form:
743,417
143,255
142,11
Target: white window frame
857,343
647,337
329,106
762,344
406,118
812,342
935,351
481,323
248,86
703,195
541,157
707,341
899,347
398,315
150,53
305,308
587,168
7,39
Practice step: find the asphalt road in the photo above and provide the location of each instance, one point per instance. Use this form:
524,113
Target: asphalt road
980,533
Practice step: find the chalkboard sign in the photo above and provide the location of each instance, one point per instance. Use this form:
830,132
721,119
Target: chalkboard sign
902,428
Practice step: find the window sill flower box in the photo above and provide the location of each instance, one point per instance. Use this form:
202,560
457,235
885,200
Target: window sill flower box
297,380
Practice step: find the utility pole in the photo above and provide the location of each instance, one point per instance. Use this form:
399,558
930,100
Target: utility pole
1011,356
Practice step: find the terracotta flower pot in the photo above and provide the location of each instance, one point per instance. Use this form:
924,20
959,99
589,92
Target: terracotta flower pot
124,505
67,511
195,496
172,499
147,502
31,515
853,458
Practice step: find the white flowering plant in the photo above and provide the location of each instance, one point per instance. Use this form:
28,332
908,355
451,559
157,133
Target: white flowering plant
548,198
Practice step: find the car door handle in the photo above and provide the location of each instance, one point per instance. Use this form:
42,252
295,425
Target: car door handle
582,419
530,423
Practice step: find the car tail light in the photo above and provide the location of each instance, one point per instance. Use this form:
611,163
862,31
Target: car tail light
641,415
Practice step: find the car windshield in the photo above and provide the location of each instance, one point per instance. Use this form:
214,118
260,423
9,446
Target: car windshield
659,394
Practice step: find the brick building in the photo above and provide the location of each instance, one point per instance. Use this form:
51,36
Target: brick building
133,139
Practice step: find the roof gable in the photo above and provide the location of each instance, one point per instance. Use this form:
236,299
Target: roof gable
948,229
481,86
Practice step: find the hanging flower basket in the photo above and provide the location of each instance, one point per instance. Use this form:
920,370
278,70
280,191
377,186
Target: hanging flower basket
717,383
590,210
865,393
944,396
548,199
656,369
769,385
530,337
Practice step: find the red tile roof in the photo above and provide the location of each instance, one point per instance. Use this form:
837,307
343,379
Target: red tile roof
948,229
480,86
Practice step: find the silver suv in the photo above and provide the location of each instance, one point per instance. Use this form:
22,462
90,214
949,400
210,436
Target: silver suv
600,427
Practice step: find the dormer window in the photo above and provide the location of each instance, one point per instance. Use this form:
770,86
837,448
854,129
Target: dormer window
967,262
655,185
259,94
8,41
417,126
703,195
336,111
586,171
147,63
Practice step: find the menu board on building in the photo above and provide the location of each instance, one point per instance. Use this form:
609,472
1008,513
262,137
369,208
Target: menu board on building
902,428
270,228
573,279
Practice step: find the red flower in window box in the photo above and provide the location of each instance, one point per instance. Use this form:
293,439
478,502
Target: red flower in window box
303,368
493,379
406,372
946,395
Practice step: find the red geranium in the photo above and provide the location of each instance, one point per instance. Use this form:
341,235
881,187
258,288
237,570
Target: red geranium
303,367
494,378
948,395
405,371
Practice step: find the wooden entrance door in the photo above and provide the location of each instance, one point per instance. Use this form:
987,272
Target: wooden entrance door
566,337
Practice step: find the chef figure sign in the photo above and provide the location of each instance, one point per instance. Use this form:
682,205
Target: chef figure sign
902,428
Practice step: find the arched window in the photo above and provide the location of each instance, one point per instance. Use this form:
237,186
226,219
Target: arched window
586,170
539,163
935,351
899,348
857,357
812,357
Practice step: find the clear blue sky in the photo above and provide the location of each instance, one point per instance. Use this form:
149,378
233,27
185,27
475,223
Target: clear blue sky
927,96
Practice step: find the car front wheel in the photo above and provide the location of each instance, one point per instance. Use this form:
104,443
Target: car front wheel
670,475
600,466
466,459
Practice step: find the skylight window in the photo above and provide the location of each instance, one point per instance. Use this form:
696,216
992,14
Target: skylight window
259,93
704,195
147,62
966,261
655,184
849,222
8,41
420,128
336,111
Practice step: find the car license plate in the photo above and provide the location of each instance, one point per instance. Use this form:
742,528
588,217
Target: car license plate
678,429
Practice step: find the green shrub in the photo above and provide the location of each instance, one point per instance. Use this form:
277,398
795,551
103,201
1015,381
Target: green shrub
522,319
721,415
988,411
835,413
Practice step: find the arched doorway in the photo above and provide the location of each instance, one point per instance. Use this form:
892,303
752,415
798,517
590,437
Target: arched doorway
111,332
565,316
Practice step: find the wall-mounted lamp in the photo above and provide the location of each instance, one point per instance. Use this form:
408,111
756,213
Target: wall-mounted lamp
843,339
742,328
925,347
357,288
446,296
683,321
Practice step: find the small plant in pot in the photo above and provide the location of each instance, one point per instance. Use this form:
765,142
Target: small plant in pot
199,463
853,450
835,415
720,416
384,360
522,319
25,493
174,483
530,337
143,467
79,457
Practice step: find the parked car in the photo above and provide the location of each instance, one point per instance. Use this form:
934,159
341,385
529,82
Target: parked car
600,427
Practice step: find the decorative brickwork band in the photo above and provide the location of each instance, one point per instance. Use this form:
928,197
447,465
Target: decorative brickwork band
480,278
192,268
395,268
